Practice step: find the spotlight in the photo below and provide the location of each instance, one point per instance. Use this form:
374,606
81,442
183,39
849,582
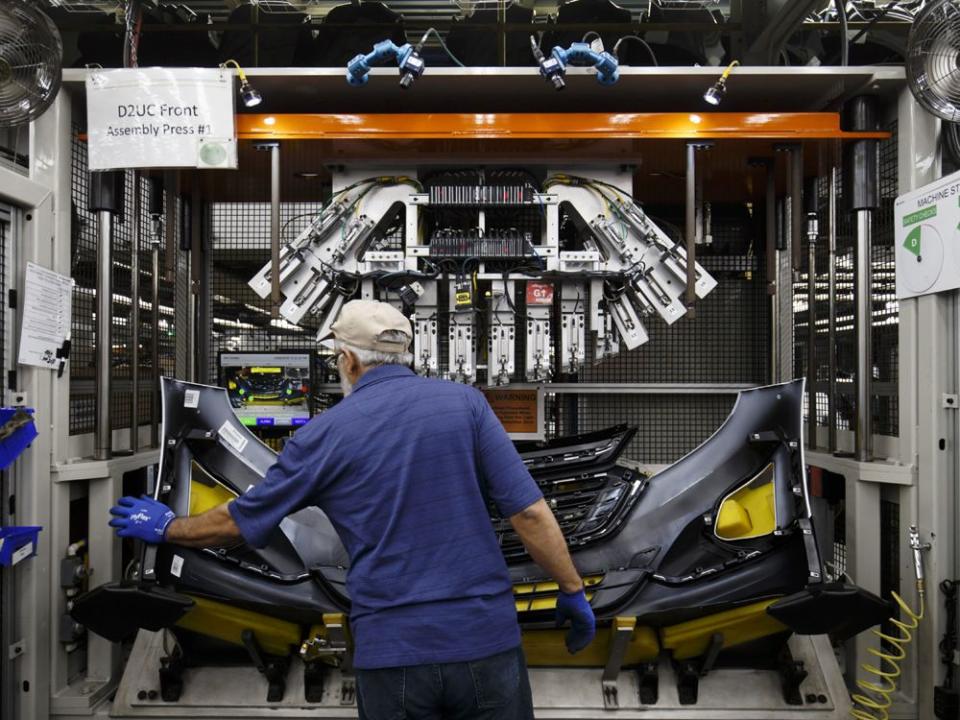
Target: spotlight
248,93
251,96
714,94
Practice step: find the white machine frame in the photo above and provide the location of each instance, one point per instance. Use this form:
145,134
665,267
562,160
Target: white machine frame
919,468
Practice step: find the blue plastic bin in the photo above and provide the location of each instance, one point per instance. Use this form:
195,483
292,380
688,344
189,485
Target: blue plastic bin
18,543
12,447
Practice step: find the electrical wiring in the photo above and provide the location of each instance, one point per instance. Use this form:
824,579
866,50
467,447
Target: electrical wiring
636,38
283,228
841,6
588,33
574,181
423,40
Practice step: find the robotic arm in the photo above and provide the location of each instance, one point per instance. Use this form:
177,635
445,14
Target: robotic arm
320,267
647,269
554,67
407,56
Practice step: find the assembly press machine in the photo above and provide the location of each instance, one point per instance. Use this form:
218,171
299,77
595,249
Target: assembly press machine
626,271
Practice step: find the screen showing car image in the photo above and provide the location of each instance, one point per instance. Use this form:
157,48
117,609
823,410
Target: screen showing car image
268,390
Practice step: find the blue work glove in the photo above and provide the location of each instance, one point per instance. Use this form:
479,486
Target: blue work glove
142,518
583,625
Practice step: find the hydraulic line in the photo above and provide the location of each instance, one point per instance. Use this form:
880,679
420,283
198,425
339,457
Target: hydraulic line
875,701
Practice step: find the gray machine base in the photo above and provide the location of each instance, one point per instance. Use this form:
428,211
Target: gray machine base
227,693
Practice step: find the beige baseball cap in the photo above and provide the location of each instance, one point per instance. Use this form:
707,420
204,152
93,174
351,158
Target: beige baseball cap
361,323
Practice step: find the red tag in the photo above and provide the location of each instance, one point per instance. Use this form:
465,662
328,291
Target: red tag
539,293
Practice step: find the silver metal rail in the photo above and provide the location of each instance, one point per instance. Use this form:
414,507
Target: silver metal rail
832,311
103,444
135,320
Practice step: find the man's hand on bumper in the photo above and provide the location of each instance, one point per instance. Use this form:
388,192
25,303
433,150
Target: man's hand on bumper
142,518
583,625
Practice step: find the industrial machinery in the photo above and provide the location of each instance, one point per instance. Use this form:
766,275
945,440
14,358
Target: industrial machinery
711,563
484,242
554,67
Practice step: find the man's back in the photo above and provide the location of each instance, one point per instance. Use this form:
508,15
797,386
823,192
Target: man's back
398,467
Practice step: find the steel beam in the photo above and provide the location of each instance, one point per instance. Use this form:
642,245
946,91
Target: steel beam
787,127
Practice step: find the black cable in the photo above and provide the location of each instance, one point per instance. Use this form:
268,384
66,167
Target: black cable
640,40
442,44
948,644
283,228
875,19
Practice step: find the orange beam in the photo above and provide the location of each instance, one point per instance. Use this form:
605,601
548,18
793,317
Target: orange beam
547,126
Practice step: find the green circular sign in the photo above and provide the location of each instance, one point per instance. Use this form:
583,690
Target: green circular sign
213,154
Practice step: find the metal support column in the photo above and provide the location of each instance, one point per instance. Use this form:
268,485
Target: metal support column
690,224
156,238
773,264
106,199
690,229
104,333
832,311
200,292
135,320
863,283
861,183
275,296
813,232
796,206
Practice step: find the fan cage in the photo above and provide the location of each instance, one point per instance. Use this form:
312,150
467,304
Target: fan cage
933,59
30,63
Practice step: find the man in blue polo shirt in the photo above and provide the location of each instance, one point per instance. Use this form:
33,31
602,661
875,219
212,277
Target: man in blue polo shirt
401,467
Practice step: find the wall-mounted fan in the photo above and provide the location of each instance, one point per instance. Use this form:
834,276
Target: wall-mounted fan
31,54
933,59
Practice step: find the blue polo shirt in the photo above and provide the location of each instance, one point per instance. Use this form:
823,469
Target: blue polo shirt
397,467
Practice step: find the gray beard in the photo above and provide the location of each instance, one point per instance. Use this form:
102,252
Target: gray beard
345,385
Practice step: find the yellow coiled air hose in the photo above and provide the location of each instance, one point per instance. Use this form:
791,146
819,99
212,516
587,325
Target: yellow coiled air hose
874,703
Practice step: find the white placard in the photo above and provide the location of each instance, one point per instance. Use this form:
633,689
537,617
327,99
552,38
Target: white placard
232,437
176,566
161,117
46,316
191,398
927,238
21,554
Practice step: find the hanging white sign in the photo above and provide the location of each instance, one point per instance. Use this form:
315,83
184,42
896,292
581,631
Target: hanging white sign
46,317
927,238
161,117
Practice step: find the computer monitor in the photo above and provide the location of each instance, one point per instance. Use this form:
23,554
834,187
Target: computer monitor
269,390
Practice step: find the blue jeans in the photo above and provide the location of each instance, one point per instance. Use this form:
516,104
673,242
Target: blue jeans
493,688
